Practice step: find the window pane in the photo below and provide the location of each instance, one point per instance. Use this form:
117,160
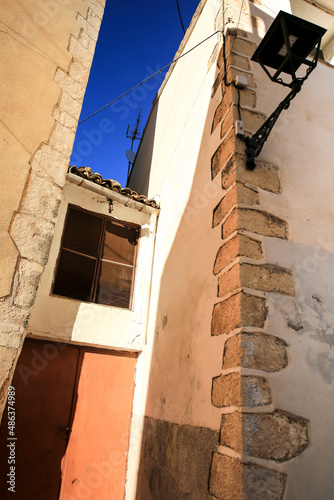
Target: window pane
74,276
120,243
114,286
82,232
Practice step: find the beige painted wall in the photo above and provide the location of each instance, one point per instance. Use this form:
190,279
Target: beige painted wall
33,43
46,52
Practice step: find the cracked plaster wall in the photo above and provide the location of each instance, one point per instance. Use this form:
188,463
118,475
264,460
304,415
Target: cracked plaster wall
299,145
306,386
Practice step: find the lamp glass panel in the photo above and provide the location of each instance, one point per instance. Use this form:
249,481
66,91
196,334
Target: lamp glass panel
303,37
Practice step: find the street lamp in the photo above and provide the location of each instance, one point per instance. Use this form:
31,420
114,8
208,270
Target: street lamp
285,49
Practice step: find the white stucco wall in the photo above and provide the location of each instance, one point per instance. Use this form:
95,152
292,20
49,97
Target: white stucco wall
184,358
67,320
301,146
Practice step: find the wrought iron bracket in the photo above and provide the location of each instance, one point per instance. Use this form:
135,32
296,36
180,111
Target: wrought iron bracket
254,144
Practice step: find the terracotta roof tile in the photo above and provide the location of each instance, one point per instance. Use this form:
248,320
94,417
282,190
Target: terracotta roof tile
87,173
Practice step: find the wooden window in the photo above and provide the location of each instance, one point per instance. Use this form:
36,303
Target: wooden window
97,259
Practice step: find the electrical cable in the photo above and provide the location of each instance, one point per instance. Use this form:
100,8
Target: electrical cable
178,8
167,65
238,23
43,54
151,76
227,84
239,108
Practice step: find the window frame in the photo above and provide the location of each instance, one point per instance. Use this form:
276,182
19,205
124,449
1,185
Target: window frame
98,259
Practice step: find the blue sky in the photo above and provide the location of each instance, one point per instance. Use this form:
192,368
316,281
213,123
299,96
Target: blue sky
136,39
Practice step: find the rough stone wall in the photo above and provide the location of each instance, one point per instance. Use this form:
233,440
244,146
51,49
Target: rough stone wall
256,438
32,223
175,461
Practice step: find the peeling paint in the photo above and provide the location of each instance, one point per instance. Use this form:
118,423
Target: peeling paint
323,364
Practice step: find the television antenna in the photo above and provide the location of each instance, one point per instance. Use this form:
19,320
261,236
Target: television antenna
134,132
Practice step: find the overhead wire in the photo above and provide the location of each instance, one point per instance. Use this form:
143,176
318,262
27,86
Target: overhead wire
193,103
227,84
169,64
40,53
242,4
178,8
151,76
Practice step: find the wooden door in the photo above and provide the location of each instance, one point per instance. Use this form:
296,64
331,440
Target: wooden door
44,381
94,466
73,409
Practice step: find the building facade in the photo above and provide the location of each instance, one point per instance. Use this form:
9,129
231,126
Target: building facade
241,379
46,51
196,353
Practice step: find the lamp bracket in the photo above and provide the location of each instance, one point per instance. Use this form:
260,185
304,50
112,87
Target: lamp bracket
255,143
286,46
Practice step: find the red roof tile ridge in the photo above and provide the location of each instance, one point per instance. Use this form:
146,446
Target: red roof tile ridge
87,173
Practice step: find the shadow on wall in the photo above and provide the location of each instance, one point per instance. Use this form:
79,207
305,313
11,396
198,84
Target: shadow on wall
175,458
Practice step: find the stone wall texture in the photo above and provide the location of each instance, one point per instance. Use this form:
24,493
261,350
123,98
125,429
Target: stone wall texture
175,461
32,219
251,428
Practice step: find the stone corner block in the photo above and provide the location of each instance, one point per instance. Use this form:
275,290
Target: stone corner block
62,139
96,7
270,436
239,390
240,45
264,176
255,221
238,194
229,146
8,261
29,277
238,246
69,85
231,479
237,311
42,197
64,118
263,277
80,53
50,164
32,237
257,351
93,19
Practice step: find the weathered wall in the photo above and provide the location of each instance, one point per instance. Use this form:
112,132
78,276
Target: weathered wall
46,53
181,426
300,147
254,251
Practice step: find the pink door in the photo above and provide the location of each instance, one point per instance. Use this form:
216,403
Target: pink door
94,466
